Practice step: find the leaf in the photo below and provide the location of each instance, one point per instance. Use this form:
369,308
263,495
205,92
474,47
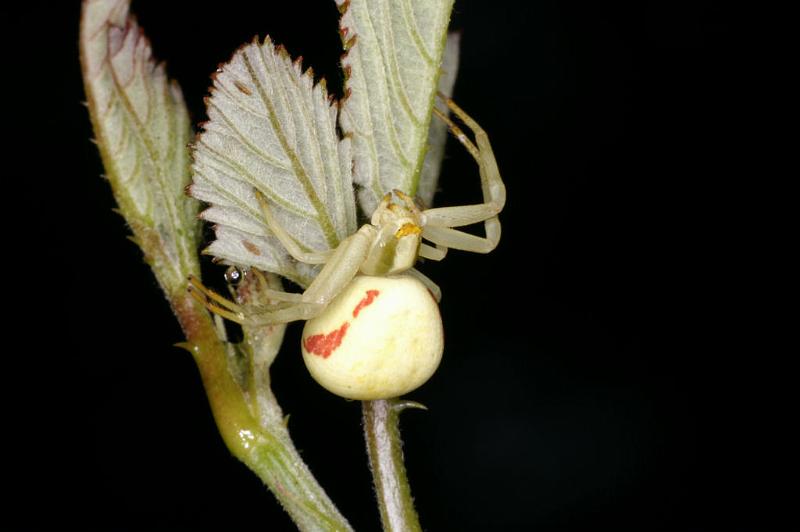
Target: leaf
437,134
272,130
394,51
142,128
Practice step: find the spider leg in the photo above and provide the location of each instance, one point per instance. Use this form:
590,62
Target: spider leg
291,245
201,290
215,302
434,253
343,265
440,221
432,287
226,308
279,295
454,239
272,294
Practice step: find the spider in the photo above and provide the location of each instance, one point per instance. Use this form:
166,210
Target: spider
397,345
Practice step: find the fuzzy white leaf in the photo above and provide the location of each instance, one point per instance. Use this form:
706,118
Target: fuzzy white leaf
394,53
142,128
272,130
437,134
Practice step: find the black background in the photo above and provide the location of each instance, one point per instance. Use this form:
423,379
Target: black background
607,367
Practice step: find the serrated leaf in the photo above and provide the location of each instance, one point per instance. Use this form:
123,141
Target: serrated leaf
142,129
437,134
272,130
394,51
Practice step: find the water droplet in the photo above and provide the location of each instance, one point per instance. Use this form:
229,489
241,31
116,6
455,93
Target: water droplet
234,275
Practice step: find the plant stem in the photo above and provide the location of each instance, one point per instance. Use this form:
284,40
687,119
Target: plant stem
385,450
266,449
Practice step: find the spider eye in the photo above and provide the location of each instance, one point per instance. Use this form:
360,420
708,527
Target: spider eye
234,275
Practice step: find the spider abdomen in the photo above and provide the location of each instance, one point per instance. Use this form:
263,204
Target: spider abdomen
381,337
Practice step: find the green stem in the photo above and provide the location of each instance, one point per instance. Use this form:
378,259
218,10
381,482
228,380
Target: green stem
385,450
266,449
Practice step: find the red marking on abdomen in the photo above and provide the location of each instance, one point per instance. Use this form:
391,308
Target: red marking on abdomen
366,301
325,344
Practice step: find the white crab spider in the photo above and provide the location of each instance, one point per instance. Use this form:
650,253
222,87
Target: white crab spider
395,345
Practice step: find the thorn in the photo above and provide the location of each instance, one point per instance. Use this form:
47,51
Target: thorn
188,346
286,420
400,405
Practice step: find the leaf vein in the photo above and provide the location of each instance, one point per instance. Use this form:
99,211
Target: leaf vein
251,180
243,138
413,29
300,172
152,153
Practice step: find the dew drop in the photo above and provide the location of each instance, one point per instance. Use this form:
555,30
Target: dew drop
234,275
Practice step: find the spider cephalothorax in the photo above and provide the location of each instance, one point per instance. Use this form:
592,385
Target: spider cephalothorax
397,236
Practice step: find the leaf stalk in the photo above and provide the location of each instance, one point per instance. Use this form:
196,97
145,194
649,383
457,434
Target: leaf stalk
385,449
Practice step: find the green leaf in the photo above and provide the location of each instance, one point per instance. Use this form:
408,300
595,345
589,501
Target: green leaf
142,127
142,130
394,52
272,130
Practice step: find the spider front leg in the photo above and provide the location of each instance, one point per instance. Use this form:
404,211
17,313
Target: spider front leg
288,241
344,264
214,302
439,222
224,307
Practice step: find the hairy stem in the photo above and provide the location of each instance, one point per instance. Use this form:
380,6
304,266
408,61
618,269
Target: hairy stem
265,447
385,450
